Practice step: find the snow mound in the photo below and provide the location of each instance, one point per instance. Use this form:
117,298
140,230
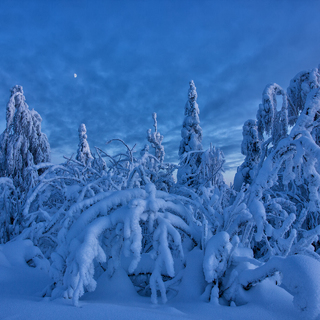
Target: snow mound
300,277
118,287
22,253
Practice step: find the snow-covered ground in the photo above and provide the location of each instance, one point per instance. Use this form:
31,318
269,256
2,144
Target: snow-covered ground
21,287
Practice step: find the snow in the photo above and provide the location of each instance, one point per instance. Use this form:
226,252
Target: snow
115,298
300,277
216,256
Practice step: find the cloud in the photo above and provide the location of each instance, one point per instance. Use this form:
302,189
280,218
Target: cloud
135,58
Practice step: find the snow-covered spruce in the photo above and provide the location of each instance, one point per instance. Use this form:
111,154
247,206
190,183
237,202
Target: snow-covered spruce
84,153
191,134
197,167
22,143
191,131
58,198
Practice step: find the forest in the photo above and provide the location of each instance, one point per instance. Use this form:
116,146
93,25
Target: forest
172,231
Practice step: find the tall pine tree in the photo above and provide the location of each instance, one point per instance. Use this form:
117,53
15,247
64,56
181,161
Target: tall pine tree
190,145
191,131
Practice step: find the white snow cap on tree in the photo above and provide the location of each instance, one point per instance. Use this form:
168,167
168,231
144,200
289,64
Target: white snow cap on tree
270,120
300,87
21,144
84,154
155,138
191,131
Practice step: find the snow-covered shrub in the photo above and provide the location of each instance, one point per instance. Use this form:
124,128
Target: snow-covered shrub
55,199
284,188
224,260
231,270
215,261
276,211
265,219
144,231
43,206
10,217
201,168
51,196
127,171
23,253
300,276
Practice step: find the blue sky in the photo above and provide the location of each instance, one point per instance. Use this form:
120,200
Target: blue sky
133,58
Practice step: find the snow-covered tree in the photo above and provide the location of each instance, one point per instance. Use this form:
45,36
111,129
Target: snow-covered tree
83,153
298,90
191,131
202,168
276,210
251,148
22,143
155,138
270,120
142,231
283,195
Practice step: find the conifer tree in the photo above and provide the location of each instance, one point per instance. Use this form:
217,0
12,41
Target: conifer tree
22,143
84,154
190,145
191,131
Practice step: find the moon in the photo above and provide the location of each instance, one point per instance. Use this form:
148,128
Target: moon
75,75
